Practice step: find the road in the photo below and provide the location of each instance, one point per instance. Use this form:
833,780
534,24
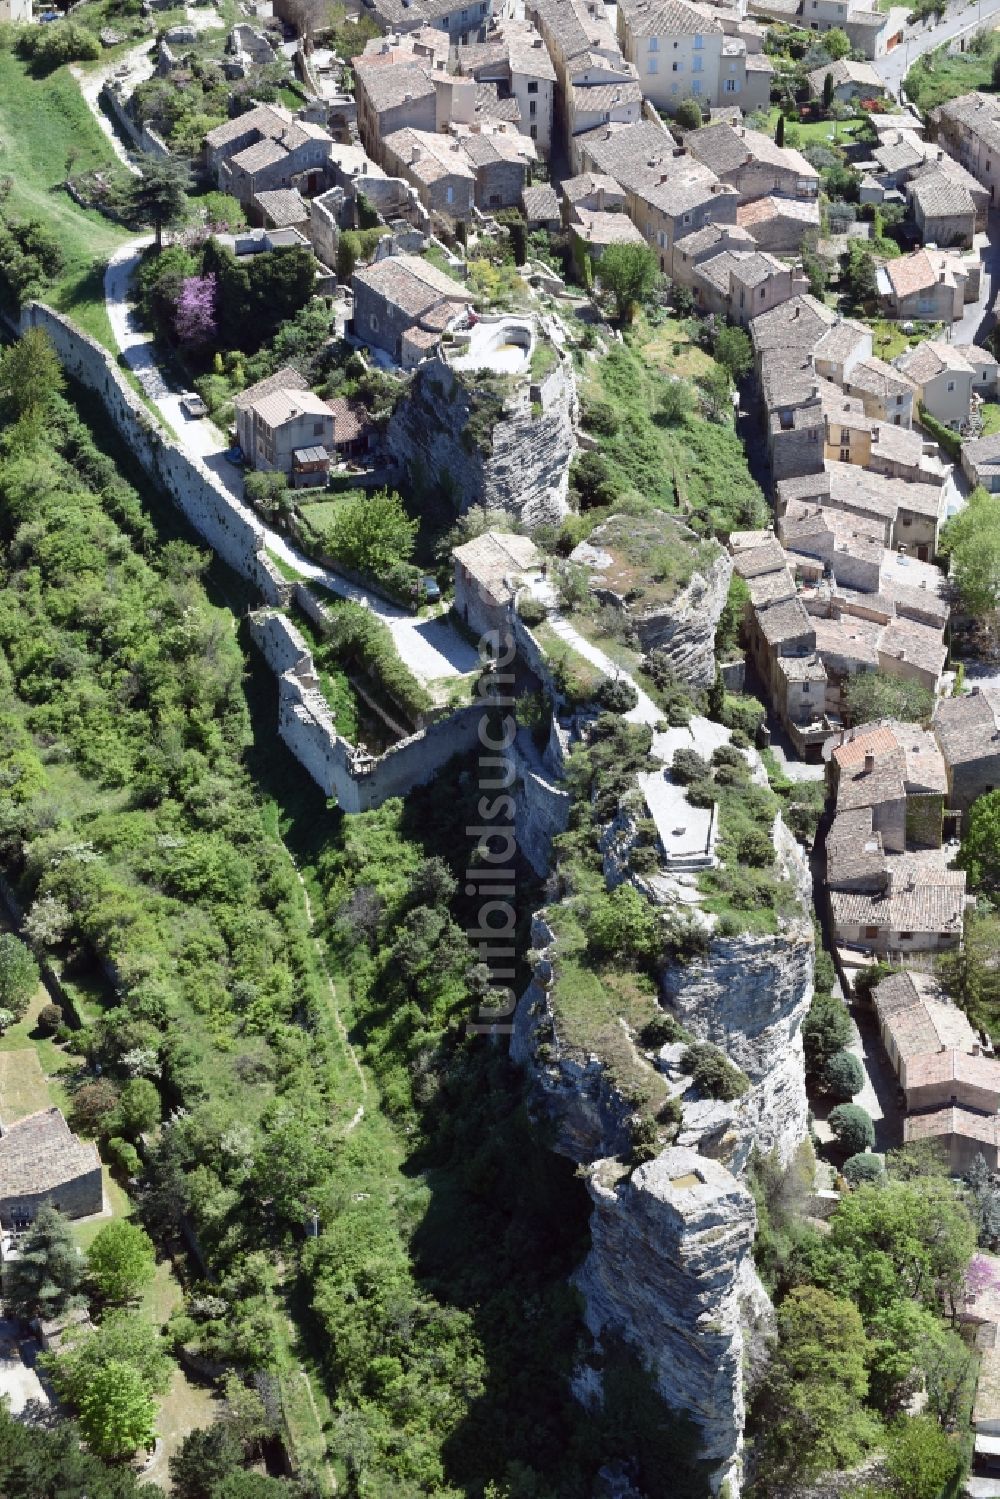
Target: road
959,19
977,319
430,646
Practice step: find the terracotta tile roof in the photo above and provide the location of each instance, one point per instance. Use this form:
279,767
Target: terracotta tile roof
938,1124
540,203
596,228
665,18
391,80
283,206
412,284
933,906
266,120
931,357
766,210
727,148
350,420
494,559
604,97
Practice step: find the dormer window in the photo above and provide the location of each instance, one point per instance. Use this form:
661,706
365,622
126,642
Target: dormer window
699,42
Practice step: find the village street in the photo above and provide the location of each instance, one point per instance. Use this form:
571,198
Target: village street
961,19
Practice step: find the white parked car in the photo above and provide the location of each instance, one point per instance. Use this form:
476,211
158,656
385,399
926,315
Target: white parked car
192,405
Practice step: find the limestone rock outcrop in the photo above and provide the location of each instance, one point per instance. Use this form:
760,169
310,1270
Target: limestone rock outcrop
506,451
670,1248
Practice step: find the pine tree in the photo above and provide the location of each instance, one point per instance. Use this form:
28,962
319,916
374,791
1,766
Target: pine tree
46,1275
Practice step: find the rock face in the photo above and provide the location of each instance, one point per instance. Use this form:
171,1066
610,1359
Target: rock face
670,1249
749,995
513,457
677,618
576,1098
685,632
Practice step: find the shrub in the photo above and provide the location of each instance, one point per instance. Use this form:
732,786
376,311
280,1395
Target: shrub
123,1156
852,1128
755,849
741,711
617,695
50,1018
598,416
727,755
531,610
713,1073
688,766
842,1076
863,1168
93,1105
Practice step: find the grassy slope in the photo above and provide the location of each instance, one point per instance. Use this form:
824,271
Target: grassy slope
945,77
41,120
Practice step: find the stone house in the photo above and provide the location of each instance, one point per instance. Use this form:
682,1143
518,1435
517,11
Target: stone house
297,158
932,1046
929,285
741,285
393,93
668,194
899,154
265,122
541,208
281,208
500,163
751,163
282,426
884,392
851,80
981,462
943,378
968,730
594,190
437,168
692,249
962,1135
779,224
461,22
403,304
681,51
985,371
514,58
593,231
488,572
595,86
969,129
43,1162
943,209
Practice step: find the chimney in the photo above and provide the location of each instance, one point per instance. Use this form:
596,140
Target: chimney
795,312
814,395
941,276
976,1049
869,762
414,154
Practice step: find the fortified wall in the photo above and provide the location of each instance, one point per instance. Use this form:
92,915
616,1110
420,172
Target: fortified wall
220,519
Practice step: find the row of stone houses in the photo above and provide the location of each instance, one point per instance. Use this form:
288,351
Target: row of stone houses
831,600
682,50
595,85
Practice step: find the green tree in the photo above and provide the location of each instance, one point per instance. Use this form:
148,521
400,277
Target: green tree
245,1485
157,197
18,975
971,973
836,44
371,533
138,1108
825,1031
94,1105
676,404
972,540
689,115
117,1412
30,376
45,1277
875,694
811,1416
121,1260
827,91
733,349
863,1168
842,1075
206,1457
901,1239
624,925
779,131
629,274
268,490
980,851
859,273
713,1073
852,1128
121,1338
716,393
47,1462
921,1459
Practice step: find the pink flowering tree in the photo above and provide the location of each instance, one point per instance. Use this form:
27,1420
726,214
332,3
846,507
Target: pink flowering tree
982,1275
194,316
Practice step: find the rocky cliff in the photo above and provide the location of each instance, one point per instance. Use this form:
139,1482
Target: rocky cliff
668,1271
669,584
503,442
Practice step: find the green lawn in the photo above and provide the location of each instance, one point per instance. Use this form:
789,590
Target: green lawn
817,132
41,121
990,413
888,340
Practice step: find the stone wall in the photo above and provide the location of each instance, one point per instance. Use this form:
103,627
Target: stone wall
220,519
307,726
541,805
142,137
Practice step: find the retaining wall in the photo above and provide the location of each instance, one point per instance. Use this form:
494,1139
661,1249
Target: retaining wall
220,519
142,137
